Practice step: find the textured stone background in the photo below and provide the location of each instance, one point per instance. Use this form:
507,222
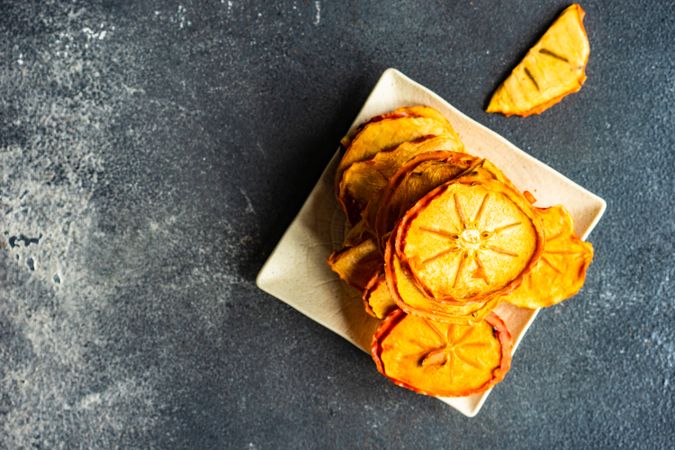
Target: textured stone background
152,153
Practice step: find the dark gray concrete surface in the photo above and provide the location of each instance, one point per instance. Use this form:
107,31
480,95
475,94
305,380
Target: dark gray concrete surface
153,152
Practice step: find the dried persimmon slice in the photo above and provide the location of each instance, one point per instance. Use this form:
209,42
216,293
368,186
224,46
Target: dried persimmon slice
413,181
357,264
362,182
561,270
441,359
387,134
552,69
356,234
469,240
377,299
485,170
404,111
412,300
423,111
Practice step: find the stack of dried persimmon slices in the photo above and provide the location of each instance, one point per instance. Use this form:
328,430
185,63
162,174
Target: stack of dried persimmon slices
437,239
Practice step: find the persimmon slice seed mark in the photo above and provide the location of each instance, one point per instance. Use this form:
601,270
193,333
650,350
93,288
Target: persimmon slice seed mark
531,77
548,52
435,357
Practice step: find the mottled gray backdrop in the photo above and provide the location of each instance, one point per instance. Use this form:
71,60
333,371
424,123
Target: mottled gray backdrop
152,153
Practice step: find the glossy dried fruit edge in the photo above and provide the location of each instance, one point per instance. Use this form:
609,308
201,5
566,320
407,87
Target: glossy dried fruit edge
552,69
469,240
377,299
413,301
357,264
404,111
561,270
411,182
362,182
386,134
441,359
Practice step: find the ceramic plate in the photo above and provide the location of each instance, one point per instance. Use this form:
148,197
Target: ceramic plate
296,272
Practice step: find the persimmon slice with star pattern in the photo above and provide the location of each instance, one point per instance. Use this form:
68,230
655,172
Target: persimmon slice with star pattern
441,359
561,270
468,240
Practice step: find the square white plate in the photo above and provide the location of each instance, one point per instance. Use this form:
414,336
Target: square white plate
297,273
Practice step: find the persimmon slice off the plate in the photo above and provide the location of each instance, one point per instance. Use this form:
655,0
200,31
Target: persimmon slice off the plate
553,68
468,240
442,359
561,270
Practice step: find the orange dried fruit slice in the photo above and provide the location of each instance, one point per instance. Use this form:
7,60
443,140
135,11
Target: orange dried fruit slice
468,240
362,182
486,170
377,299
357,264
387,134
413,181
441,359
356,234
424,111
412,300
405,111
561,270
552,69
